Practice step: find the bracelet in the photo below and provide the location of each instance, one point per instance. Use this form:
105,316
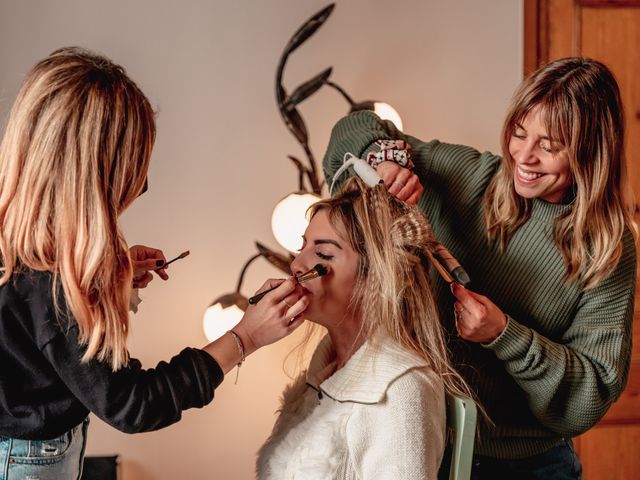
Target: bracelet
240,346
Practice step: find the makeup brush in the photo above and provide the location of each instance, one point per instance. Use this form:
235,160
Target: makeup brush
318,271
182,255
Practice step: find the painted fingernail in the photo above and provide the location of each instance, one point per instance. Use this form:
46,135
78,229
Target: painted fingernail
159,263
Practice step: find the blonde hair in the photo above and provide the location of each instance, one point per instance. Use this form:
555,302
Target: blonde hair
74,155
392,292
583,111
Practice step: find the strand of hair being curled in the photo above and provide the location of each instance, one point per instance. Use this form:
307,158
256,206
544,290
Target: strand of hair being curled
392,292
74,155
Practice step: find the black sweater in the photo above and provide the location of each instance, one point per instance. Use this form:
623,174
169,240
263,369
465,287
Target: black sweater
45,390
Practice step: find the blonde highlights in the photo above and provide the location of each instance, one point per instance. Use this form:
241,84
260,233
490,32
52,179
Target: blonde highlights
392,293
74,155
583,111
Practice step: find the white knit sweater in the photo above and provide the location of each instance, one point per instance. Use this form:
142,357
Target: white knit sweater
381,416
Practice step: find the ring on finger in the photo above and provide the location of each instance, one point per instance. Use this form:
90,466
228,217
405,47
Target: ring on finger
402,184
284,300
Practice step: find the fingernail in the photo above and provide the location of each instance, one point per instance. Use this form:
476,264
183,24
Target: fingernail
452,286
159,263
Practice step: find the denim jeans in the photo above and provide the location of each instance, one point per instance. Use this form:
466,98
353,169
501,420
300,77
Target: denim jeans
557,463
56,459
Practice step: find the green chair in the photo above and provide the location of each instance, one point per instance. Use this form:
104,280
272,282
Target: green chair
461,419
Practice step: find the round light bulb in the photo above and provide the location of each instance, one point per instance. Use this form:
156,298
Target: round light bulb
219,319
387,112
289,219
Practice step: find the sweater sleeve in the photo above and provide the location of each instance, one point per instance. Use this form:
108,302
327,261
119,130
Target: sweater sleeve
403,436
571,384
134,399
356,133
454,170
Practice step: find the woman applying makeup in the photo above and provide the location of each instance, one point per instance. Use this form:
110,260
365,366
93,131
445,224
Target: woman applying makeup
546,233
74,156
371,404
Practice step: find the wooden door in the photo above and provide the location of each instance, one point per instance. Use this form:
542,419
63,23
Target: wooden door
608,31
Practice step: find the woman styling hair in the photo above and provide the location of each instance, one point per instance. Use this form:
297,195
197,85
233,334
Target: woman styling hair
546,233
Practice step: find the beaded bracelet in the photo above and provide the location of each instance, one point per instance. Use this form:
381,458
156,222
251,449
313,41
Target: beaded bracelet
240,346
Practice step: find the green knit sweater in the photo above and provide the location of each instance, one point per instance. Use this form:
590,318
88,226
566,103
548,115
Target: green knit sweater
564,356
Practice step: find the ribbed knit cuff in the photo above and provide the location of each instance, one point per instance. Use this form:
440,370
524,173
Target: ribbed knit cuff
513,342
356,134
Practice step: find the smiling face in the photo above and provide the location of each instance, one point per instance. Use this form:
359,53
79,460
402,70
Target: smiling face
541,163
329,295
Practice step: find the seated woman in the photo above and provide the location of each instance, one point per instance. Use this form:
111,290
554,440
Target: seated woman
372,402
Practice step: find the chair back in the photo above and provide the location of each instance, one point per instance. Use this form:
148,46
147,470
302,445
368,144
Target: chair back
461,419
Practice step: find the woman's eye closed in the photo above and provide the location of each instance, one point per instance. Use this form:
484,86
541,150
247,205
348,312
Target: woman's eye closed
550,147
324,256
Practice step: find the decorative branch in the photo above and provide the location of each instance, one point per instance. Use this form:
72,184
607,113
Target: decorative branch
342,92
302,171
287,104
281,262
308,88
244,270
294,122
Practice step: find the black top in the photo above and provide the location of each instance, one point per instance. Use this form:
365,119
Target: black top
45,390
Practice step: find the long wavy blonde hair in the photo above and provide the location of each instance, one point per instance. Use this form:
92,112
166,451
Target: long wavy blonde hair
583,111
392,292
74,155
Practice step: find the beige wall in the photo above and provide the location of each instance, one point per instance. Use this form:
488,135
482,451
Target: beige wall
220,162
